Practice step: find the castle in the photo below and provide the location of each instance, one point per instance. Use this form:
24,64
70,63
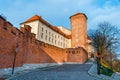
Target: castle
60,36
41,44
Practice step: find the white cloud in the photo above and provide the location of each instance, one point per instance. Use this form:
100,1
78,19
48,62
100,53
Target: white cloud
108,13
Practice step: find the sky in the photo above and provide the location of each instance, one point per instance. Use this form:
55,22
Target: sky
58,12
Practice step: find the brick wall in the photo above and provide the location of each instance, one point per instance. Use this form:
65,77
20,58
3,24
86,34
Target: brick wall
79,30
78,55
8,43
30,50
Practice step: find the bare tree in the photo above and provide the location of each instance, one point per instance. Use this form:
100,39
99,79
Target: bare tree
105,38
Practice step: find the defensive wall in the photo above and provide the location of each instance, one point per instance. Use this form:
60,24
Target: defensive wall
31,52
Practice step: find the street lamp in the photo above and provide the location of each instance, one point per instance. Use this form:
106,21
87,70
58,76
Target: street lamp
16,51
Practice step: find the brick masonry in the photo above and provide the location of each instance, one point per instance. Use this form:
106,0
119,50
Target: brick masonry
79,30
30,50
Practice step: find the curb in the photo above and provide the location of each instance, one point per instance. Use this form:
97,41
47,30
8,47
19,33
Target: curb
102,77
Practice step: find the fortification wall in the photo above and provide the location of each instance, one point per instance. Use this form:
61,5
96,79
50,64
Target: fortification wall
8,43
30,50
76,55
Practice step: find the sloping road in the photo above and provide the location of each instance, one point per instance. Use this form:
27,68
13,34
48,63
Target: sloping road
64,72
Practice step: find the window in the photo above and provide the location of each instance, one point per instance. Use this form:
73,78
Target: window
13,32
58,42
76,30
64,45
42,35
61,43
52,35
52,40
55,41
49,33
77,40
5,27
46,31
73,52
55,36
58,36
69,51
46,37
49,39
76,35
66,41
42,29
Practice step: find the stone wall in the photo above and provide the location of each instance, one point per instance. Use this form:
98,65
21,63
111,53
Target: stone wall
30,50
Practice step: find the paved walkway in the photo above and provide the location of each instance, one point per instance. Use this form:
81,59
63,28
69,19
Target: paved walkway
93,72
64,72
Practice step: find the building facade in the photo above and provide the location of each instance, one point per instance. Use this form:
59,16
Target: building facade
48,33
60,36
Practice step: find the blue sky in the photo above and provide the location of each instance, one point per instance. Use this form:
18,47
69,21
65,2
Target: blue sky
57,12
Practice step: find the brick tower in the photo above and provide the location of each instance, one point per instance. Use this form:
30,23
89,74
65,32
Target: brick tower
79,30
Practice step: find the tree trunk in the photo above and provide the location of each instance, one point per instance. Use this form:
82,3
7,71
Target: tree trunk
98,65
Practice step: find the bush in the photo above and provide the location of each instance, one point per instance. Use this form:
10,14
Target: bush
106,71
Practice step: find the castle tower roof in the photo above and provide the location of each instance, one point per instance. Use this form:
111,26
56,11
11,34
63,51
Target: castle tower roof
79,14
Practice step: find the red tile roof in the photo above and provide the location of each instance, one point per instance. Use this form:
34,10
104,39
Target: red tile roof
59,31
79,14
36,17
